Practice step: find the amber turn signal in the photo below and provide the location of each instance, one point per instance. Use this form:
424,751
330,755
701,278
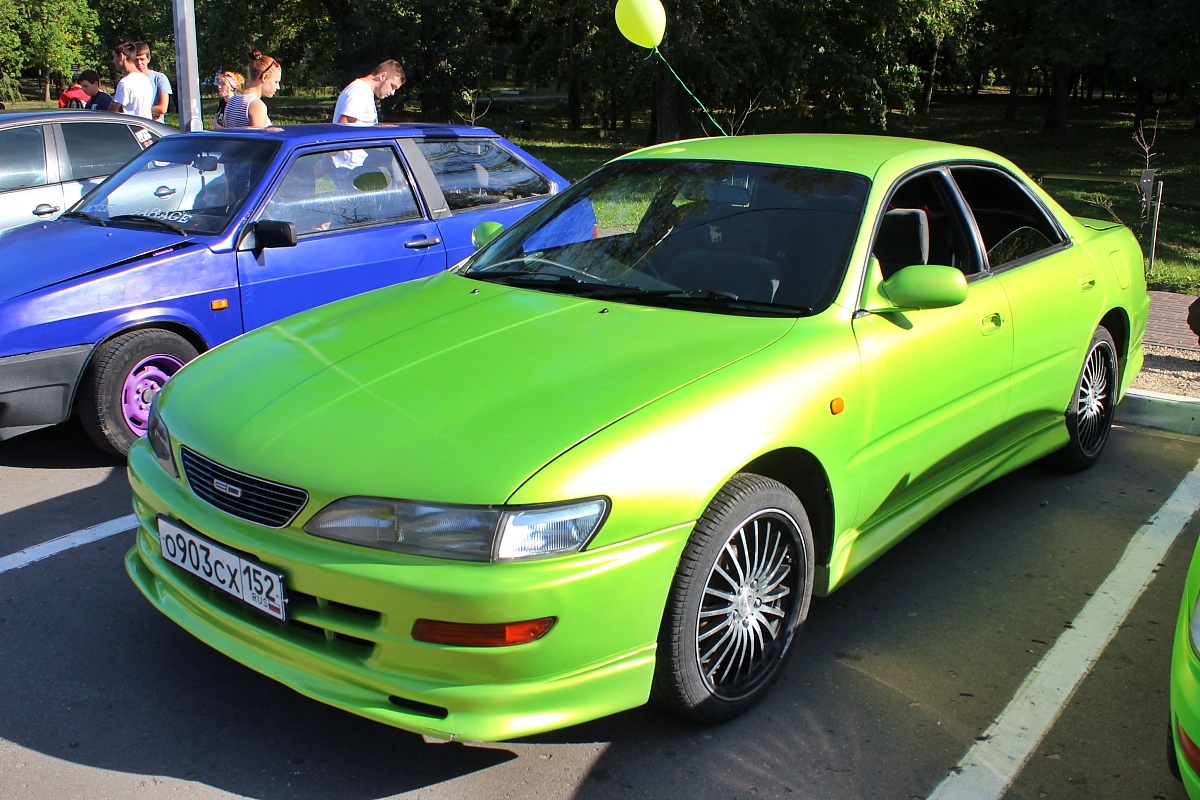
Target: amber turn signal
837,405
217,305
468,634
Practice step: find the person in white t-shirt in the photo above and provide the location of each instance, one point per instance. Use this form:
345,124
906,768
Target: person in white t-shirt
134,94
356,103
159,82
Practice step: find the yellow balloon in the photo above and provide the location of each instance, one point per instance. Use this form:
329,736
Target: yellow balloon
642,22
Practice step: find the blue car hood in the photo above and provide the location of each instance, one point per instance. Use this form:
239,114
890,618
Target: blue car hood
44,253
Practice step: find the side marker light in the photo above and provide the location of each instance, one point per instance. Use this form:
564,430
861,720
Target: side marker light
217,305
837,405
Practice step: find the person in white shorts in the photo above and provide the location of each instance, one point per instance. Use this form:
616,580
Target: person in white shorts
134,94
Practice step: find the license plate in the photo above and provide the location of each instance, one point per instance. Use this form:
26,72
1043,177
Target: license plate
207,560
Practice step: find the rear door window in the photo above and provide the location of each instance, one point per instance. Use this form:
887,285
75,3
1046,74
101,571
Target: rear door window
95,149
479,172
22,158
1014,227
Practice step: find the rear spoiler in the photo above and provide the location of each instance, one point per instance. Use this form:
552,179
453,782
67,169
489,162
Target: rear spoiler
1148,187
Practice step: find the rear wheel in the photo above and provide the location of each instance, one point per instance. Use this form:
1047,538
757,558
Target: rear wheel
1089,418
125,374
742,588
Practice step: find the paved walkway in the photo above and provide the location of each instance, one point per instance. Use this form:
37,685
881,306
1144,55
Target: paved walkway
1167,326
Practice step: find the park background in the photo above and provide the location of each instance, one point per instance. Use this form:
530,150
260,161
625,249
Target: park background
1100,86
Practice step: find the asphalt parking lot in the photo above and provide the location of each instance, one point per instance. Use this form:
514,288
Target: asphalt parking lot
896,677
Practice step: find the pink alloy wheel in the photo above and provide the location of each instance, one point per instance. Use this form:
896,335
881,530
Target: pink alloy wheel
141,384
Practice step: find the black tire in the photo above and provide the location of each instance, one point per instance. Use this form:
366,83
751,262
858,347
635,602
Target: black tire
719,612
102,404
1090,415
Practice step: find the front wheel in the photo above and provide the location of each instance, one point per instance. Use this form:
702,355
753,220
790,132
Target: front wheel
125,374
1090,416
742,588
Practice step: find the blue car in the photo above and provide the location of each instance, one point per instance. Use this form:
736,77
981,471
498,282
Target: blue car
206,235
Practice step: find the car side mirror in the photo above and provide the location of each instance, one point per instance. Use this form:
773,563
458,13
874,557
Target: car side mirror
925,286
274,233
485,232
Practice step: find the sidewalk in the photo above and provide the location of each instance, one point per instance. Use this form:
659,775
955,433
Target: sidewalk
1167,327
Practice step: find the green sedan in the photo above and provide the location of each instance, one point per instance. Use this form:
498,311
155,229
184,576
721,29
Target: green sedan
612,456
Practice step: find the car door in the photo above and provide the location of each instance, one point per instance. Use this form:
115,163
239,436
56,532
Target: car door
936,380
481,181
359,226
93,150
1050,286
29,187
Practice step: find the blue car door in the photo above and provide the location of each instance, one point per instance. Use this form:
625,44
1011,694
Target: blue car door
481,181
359,226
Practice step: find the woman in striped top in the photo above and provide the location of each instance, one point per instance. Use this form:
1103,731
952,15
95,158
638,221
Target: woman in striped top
247,110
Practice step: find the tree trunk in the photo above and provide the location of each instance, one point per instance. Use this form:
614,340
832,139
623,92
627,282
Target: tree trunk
574,102
1014,94
1142,100
1056,105
930,79
669,116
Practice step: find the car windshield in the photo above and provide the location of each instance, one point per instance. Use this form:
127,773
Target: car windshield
710,236
191,184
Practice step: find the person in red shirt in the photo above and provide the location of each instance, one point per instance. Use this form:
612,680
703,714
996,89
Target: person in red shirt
74,97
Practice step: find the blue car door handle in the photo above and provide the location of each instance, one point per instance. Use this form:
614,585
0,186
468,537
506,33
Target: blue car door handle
417,244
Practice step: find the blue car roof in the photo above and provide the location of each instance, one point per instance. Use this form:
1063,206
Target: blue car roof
320,133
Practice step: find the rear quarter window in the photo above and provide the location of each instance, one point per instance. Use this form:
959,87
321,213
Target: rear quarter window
479,172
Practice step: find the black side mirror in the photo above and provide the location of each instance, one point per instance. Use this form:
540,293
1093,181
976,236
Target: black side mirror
273,233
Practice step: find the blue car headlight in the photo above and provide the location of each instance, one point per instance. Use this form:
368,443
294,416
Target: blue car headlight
468,533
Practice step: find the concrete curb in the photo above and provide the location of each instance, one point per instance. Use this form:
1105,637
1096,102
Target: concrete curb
1170,412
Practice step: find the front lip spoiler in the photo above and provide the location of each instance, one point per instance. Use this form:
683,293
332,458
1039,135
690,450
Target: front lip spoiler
38,389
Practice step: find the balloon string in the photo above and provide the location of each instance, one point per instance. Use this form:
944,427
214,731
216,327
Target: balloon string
689,91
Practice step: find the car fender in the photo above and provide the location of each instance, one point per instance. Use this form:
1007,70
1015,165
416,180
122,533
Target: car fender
662,465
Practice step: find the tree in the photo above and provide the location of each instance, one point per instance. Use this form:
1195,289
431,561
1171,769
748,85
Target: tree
55,33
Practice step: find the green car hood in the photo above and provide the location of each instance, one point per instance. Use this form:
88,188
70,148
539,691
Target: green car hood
444,389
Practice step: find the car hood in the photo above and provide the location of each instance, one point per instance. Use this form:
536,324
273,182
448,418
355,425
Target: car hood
443,389
42,254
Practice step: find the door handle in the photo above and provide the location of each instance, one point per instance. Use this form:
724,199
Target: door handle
992,323
164,191
45,209
418,244
1087,282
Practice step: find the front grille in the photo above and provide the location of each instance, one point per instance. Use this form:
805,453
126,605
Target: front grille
255,499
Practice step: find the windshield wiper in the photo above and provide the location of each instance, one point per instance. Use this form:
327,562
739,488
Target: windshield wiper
700,296
84,215
174,227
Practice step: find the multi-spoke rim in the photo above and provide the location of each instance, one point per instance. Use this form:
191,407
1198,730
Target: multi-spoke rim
748,608
1093,403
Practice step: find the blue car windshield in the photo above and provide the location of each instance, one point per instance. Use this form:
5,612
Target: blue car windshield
193,184
707,235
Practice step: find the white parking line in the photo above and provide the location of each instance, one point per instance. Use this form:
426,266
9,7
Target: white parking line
991,765
29,555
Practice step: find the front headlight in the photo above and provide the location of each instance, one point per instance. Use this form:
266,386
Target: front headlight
469,533
160,439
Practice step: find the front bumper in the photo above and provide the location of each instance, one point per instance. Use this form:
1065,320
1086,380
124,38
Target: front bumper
351,610
37,388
